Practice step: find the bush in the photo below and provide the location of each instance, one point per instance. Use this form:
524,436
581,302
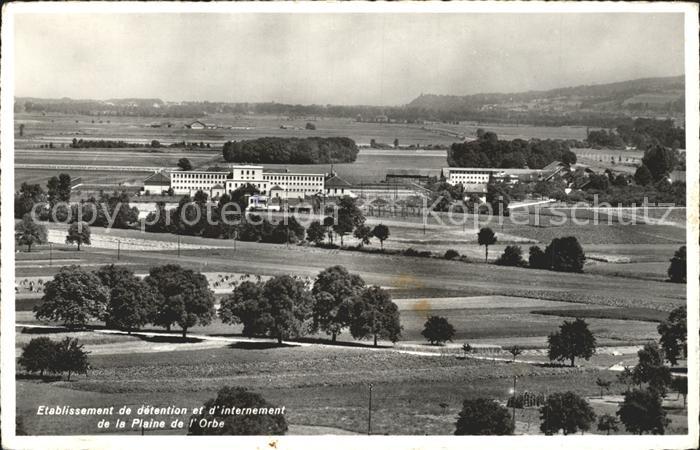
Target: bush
451,254
483,416
512,256
413,252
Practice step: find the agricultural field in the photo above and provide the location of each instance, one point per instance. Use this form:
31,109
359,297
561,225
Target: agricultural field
418,388
59,128
318,387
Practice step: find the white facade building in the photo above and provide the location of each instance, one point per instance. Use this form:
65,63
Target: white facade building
469,175
284,185
191,181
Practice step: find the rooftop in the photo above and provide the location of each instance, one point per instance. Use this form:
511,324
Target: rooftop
157,178
336,181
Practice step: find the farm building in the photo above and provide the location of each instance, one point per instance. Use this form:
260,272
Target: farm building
157,183
337,187
199,125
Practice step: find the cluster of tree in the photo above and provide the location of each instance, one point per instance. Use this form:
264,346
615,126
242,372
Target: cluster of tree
661,192
196,216
268,419
43,355
107,210
562,254
256,229
58,191
348,219
317,232
641,133
101,143
641,410
604,138
169,295
565,412
286,307
658,162
488,151
278,150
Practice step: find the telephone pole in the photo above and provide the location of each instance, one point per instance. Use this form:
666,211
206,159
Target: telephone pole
514,380
369,415
119,248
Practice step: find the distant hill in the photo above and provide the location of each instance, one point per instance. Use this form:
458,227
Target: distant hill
653,94
602,105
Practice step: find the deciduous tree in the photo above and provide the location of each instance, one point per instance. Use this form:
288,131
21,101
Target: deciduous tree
132,304
438,330
512,256
78,233
641,412
363,233
184,164
38,355
28,232
566,411
381,232
334,290
70,357
486,237
316,232
651,369
677,270
372,313
573,340
565,254
674,335
184,297
74,297
607,423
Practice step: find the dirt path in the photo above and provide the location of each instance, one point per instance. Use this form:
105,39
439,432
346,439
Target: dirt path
208,341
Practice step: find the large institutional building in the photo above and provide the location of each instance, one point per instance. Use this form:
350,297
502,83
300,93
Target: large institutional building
281,185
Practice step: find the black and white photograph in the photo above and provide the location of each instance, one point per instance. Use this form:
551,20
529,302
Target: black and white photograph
357,224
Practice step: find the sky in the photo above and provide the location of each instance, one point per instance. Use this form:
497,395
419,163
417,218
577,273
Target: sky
343,59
